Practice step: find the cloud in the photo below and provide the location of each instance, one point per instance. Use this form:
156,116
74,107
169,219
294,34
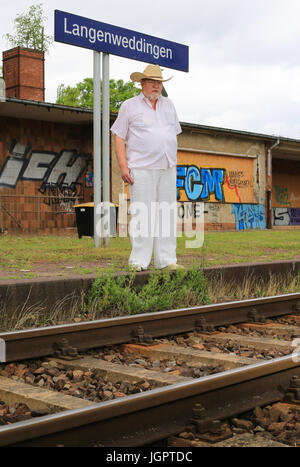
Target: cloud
244,66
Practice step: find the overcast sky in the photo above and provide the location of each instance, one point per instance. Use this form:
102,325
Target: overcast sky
244,56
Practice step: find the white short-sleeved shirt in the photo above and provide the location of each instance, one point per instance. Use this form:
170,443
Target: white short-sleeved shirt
150,135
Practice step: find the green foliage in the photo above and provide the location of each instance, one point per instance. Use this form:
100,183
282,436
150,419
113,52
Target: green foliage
162,292
29,30
120,92
82,94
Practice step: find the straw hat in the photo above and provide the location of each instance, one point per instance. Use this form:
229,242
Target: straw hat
150,72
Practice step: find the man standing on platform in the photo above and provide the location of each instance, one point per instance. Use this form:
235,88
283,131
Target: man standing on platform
145,133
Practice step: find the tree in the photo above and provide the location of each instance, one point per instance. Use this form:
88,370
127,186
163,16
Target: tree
81,95
29,30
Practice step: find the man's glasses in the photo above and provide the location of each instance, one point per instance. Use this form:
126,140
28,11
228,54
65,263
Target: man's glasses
152,81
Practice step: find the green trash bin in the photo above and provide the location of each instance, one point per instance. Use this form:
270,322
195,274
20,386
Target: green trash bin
85,219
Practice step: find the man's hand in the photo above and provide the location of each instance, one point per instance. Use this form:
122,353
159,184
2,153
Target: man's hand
126,177
120,149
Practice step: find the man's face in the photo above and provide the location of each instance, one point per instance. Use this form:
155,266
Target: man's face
151,88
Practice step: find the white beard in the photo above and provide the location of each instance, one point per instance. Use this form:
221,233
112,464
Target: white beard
153,97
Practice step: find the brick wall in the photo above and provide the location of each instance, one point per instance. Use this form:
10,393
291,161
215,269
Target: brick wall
43,167
23,73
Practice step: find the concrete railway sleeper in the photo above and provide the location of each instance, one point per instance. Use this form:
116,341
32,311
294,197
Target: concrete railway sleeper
145,418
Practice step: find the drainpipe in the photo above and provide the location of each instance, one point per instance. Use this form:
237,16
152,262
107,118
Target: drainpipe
269,157
269,187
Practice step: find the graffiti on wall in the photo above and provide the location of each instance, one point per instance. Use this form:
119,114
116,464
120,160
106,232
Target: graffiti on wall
286,189
89,180
199,184
63,196
211,184
282,196
249,216
53,170
237,178
286,216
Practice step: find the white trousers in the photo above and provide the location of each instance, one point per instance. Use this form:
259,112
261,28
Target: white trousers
153,217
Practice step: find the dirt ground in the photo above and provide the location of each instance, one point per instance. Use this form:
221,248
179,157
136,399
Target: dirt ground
54,270
70,270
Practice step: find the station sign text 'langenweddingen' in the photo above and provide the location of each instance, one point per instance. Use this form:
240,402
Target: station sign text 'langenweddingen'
83,32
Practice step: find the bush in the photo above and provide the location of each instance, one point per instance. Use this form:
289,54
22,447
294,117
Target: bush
163,291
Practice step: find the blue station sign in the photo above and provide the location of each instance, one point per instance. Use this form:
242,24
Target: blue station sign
87,33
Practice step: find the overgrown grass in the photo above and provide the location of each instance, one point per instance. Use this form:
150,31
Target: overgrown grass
118,296
251,287
109,298
70,309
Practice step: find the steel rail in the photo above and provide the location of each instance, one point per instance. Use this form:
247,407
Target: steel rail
144,418
34,343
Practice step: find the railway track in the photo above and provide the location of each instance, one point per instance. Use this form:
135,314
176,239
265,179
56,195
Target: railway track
142,379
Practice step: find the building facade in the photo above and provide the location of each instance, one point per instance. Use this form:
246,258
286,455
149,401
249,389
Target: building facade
245,180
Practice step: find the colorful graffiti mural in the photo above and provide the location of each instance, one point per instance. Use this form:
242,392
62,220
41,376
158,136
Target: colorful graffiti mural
286,216
199,184
214,179
249,216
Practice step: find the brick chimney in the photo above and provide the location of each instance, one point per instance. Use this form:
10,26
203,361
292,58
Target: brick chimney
23,73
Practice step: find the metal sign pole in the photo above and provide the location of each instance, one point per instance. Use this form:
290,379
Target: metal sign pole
97,148
105,147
